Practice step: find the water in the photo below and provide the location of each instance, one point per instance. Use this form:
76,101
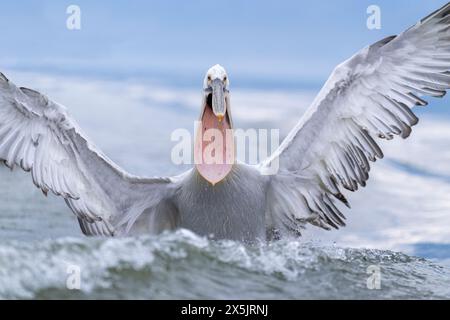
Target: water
399,223
184,266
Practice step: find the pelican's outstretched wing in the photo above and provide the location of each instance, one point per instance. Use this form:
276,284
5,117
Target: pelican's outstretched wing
38,135
368,96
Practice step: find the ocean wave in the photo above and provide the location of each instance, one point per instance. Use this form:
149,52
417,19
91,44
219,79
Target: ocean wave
184,266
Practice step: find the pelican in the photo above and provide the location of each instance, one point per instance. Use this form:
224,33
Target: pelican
367,97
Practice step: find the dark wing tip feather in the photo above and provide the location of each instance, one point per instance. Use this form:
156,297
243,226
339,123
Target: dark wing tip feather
382,42
343,199
439,13
419,101
3,77
30,92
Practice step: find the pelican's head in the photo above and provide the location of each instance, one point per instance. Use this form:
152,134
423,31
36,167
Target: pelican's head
215,87
214,147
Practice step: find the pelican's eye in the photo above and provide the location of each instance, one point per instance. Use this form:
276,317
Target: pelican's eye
209,78
225,78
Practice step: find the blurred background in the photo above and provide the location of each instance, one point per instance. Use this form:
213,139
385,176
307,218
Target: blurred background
133,73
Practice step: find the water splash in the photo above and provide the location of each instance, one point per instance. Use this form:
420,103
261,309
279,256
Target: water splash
183,265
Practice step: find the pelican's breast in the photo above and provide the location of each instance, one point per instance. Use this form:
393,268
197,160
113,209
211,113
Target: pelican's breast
232,209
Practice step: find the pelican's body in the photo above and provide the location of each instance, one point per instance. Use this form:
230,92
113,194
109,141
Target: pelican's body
367,97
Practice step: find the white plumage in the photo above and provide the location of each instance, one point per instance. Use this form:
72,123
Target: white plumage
38,135
368,96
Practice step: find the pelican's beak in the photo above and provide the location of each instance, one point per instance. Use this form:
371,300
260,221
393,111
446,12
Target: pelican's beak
218,98
214,144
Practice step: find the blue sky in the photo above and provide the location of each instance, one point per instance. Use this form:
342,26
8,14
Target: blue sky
285,43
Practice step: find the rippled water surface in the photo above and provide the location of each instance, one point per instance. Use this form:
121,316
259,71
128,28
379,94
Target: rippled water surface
182,265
